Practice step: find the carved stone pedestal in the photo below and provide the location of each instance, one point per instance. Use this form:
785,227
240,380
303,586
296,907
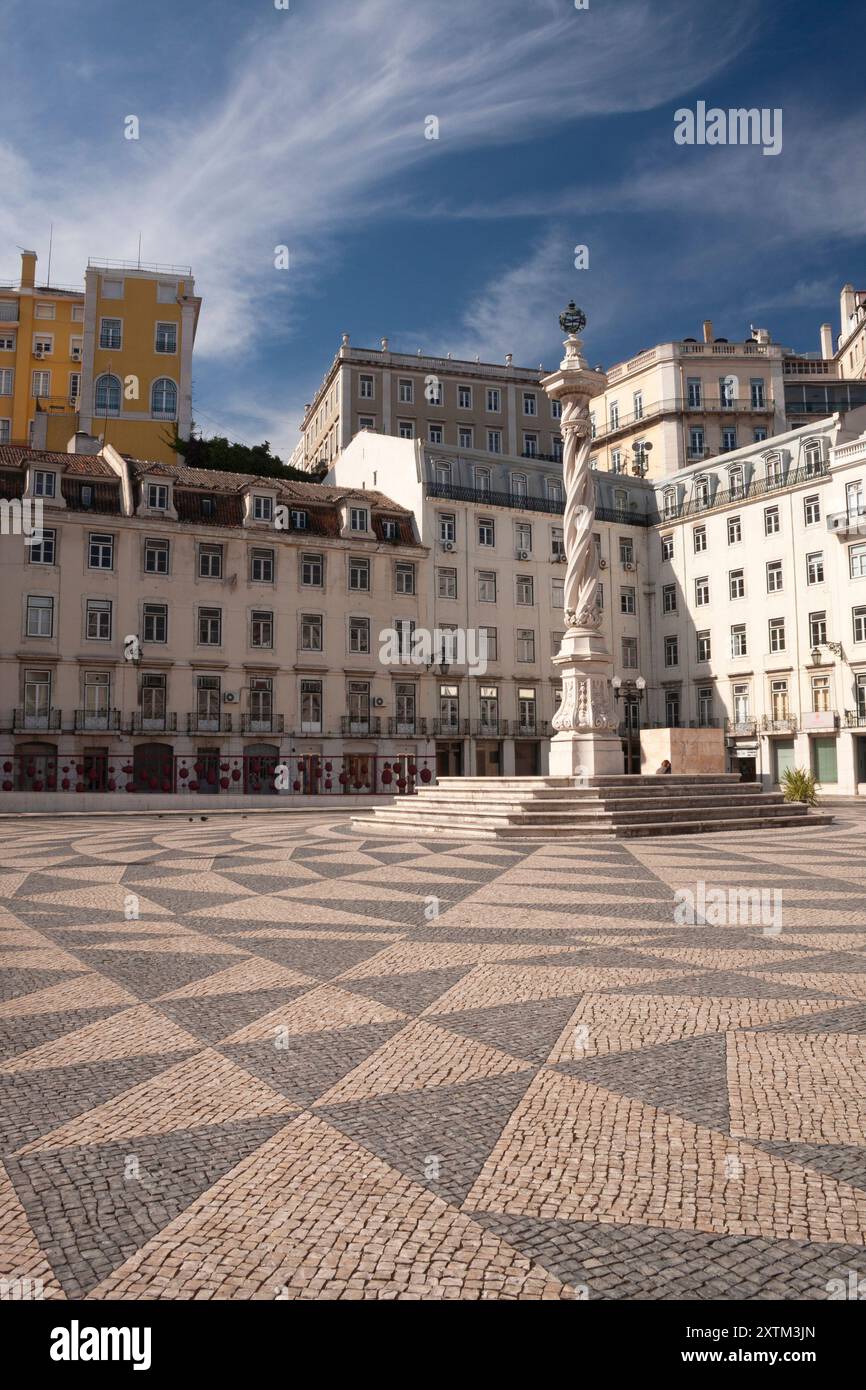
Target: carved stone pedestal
586,743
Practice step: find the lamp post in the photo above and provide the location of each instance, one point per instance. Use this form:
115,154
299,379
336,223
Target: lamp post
586,743
631,693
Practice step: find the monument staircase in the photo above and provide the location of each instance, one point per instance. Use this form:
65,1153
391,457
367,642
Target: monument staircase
569,808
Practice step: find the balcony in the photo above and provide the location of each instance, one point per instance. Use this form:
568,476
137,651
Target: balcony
785,724
535,728
855,719
850,523
262,724
208,723
490,728
26,721
407,728
368,727
743,728
714,406
450,728
90,721
165,723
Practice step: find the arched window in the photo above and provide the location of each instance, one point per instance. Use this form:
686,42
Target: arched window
735,481
812,457
702,492
670,501
106,395
775,471
163,399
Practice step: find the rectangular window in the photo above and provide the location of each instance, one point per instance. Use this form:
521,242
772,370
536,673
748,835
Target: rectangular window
466,437
40,616
207,700
100,552
627,600
672,709
447,528
406,429
490,636
626,550
737,584
856,561
434,434
494,441
523,537
525,590
771,521
669,598
557,543
702,591
858,616
775,582
110,334
311,707
312,570
529,403
817,629
464,397
699,539
98,626
525,644
815,567
210,561
40,385
494,400
672,651
152,700
705,706
486,531
667,543
157,496
757,393
486,586
406,391
210,627
446,583
729,440
7,377
365,390
404,577
155,622
261,629
777,634
739,645
262,566
42,552
735,530
704,647
530,446
693,385
359,575
820,694
359,635
311,632
166,337
557,593
812,510
44,484
696,444
629,653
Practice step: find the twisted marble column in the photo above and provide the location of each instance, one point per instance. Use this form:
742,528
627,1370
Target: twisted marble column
581,575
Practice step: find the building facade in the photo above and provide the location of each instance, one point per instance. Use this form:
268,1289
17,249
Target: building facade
113,360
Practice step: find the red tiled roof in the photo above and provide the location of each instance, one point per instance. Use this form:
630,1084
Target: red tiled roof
87,465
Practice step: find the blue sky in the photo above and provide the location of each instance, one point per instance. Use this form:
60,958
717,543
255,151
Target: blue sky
305,127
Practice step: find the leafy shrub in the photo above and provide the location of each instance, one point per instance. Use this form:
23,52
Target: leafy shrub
798,784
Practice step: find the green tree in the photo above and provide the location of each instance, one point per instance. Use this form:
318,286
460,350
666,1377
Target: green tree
221,454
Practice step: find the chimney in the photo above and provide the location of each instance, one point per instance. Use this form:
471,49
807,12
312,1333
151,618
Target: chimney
708,330
83,443
846,307
826,340
28,270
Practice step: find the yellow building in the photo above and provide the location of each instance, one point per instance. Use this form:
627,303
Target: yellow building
113,360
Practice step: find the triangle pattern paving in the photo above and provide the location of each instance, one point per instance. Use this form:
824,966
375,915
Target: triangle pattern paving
286,1078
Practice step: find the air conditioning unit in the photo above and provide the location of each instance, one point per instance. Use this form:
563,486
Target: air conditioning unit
448,545
38,356
379,700
602,564
523,554
76,354
230,697
627,565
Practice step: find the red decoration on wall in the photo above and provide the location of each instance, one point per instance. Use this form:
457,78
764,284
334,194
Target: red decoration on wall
296,786
193,786
7,785
236,774
426,774
7,767
65,784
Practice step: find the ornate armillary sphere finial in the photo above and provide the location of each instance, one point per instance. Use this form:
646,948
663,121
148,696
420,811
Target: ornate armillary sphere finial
572,320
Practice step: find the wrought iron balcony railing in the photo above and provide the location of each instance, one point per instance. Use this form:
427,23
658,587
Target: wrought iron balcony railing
24,720
369,727
208,724
165,723
91,721
263,724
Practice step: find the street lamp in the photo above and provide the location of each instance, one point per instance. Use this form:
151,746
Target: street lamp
632,693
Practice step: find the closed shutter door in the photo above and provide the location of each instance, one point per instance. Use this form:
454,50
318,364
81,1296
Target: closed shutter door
824,760
784,756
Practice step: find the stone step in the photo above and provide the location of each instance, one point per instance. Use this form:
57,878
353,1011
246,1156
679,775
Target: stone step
503,816
636,787
589,799
381,822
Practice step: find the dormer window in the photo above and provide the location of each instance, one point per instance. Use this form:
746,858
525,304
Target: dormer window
735,482
263,507
670,501
87,495
389,530
207,506
812,457
774,470
299,520
44,483
157,496
358,519
702,492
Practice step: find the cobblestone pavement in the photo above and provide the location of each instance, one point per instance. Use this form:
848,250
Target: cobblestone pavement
265,1057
